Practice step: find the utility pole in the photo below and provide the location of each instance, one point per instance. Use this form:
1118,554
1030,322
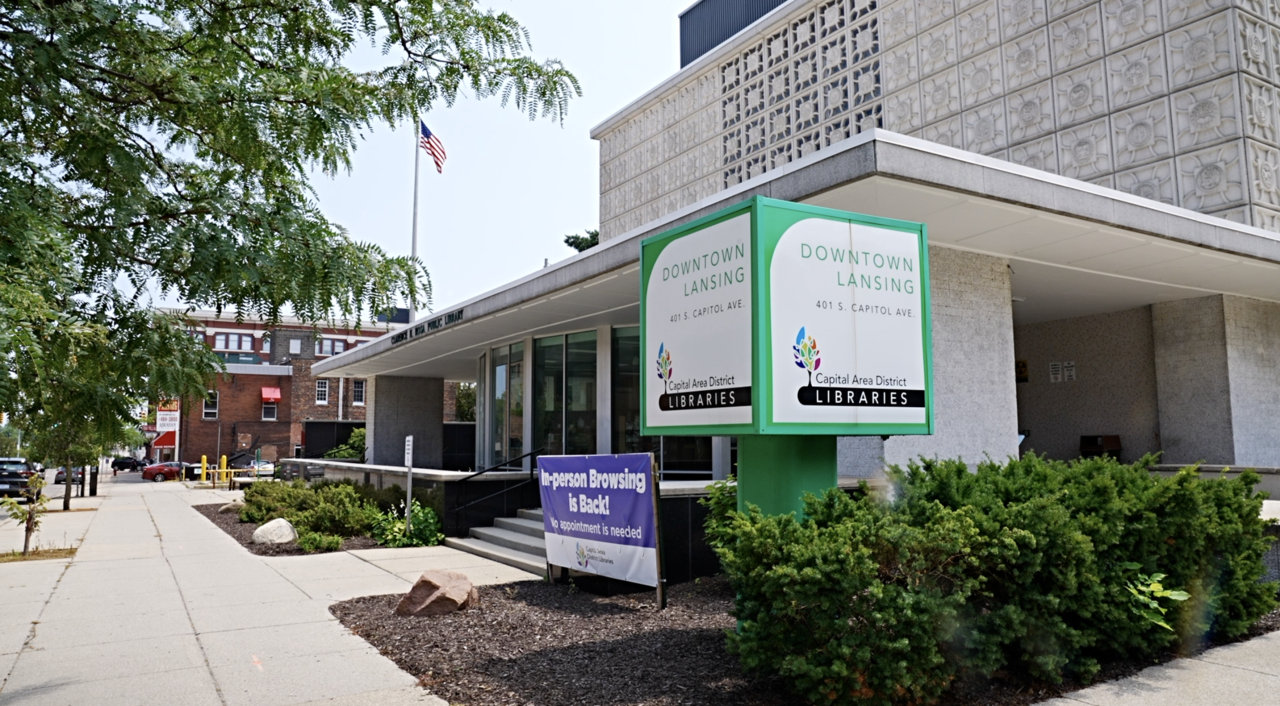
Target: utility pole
417,156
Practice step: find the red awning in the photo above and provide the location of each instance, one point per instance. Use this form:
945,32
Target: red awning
167,440
270,394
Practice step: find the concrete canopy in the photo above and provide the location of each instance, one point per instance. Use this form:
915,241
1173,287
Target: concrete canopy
1075,249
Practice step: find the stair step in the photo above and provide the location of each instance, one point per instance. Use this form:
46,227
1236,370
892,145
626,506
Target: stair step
503,555
534,514
533,528
511,540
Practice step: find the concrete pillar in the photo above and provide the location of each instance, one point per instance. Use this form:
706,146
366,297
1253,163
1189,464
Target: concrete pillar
975,402
604,389
1218,380
408,406
721,457
860,456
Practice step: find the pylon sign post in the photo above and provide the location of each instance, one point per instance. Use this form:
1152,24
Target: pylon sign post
786,325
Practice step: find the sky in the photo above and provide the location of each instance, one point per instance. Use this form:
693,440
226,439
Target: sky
511,188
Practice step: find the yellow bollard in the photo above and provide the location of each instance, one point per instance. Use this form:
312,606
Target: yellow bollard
222,466
204,467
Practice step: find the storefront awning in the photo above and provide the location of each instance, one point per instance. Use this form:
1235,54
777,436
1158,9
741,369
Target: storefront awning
270,394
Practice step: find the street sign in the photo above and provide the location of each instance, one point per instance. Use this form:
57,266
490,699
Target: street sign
408,451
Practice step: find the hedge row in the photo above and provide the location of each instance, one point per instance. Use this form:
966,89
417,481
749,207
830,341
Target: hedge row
1023,565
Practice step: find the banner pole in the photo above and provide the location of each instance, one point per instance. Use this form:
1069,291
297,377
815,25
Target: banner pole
417,155
657,534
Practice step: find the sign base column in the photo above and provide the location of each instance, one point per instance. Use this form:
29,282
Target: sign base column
774,472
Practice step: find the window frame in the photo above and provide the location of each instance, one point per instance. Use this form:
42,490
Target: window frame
205,410
322,391
357,393
275,411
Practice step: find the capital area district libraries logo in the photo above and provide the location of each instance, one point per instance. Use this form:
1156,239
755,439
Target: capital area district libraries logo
583,561
697,393
844,389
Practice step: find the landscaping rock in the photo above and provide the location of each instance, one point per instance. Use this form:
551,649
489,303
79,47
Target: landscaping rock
437,593
233,506
277,531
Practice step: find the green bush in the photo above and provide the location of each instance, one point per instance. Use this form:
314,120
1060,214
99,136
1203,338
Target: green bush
312,542
354,448
329,508
1020,565
388,528
264,502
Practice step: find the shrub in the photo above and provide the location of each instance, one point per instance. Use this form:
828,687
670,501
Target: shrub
264,502
312,542
388,528
329,508
354,448
1024,564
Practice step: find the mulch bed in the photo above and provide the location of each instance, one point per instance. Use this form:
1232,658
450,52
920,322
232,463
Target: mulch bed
551,645
242,532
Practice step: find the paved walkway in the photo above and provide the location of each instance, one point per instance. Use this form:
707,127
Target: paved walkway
159,606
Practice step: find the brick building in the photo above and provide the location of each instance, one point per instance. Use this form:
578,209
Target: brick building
268,398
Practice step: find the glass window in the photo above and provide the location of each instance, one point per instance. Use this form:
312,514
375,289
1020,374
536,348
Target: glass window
498,405
339,346
515,401
322,392
211,405
548,395
220,342
580,393
295,347
266,344
357,392
268,411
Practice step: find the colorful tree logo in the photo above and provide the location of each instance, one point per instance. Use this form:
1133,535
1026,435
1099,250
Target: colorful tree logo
583,560
806,351
664,365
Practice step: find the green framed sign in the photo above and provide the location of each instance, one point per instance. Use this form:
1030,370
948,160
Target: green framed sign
777,318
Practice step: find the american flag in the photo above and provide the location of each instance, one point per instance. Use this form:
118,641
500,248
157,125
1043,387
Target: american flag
433,146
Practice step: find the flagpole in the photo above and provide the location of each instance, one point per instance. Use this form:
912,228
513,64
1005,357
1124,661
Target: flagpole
417,155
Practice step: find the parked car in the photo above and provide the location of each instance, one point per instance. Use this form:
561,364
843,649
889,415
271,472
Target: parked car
14,475
160,472
76,477
126,464
263,468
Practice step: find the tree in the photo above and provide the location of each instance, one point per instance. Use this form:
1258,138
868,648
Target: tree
465,402
583,242
29,515
9,437
171,144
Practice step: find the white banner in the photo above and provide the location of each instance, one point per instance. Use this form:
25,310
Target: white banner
167,421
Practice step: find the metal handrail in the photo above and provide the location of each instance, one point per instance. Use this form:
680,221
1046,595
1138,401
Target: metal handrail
505,465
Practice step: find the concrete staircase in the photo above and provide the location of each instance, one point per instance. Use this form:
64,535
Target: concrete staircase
514,541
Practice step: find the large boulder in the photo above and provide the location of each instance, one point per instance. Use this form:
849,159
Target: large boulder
437,593
234,506
277,531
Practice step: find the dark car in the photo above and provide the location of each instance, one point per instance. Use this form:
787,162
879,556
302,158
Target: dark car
126,463
14,474
61,476
160,472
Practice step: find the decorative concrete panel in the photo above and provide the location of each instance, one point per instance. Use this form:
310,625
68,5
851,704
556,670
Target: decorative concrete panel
1178,12
1142,134
1026,59
948,132
1266,218
1086,150
1212,178
835,97
1081,94
1040,154
1076,39
1127,22
902,111
898,22
979,29
981,79
1138,74
940,95
1058,8
1154,181
932,12
1239,214
1107,181
1264,174
1260,110
1030,112
1206,114
937,48
1018,17
1254,40
984,128
901,67
1200,50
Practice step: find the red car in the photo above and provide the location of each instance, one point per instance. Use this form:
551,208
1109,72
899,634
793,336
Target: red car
160,472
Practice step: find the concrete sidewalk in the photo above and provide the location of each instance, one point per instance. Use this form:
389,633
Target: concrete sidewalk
160,606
